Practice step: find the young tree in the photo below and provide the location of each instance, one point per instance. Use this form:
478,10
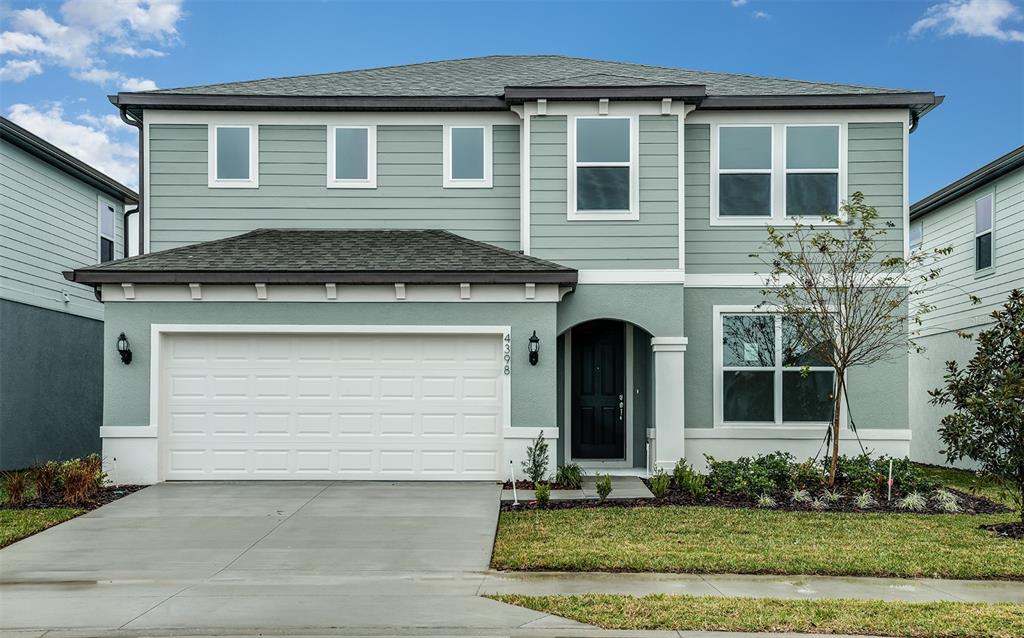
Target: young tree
847,292
987,398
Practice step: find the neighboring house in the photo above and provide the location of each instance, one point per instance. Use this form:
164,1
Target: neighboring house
56,213
981,217
346,272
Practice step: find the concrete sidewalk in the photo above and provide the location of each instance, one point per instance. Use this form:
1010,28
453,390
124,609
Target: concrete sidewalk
801,587
424,632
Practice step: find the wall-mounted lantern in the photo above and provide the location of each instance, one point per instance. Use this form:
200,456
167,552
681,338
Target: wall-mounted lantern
534,347
124,349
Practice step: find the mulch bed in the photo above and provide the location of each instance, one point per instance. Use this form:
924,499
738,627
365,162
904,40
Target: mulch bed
969,504
1007,530
528,485
108,494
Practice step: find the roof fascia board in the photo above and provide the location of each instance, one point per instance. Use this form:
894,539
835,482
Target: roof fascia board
973,181
867,100
40,148
86,276
309,103
685,92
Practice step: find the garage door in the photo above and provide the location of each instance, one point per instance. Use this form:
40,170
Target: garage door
348,406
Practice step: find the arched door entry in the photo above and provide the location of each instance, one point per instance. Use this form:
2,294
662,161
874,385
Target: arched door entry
598,397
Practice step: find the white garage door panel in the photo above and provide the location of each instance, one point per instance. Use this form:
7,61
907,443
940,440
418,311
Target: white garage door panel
331,406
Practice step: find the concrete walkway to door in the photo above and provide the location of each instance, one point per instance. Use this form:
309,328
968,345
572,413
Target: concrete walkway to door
266,555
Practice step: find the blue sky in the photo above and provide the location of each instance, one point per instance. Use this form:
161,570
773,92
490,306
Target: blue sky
59,60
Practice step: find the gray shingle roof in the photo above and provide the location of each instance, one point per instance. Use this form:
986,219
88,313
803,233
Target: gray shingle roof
488,76
331,256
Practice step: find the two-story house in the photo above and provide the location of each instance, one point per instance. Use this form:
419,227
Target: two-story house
981,217
412,271
56,213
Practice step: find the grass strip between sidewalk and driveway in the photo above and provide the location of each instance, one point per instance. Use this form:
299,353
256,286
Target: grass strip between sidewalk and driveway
750,541
18,524
827,616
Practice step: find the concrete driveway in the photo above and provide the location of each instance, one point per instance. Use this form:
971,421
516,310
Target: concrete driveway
266,555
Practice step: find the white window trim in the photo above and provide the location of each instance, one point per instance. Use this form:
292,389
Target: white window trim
254,154
100,205
984,272
778,369
371,158
778,172
837,171
633,213
488,179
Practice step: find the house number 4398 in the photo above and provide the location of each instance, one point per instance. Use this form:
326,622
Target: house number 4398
508,353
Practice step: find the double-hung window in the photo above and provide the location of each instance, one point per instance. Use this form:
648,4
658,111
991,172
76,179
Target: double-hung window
766,376
352,157
106,220
603,179
812,170
468,156
770,172
984,218
233,156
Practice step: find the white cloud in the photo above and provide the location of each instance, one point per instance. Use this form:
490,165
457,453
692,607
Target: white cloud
20,70
108,149
106,77
87,30
974,18
761,15
738,3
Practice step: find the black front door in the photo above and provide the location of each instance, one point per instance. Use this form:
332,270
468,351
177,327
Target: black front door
598,391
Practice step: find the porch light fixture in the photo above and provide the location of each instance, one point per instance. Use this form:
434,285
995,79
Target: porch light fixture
124,349
534,347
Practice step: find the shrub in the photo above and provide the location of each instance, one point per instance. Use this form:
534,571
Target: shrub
660,483
690,481
535,467
47,478
859,473
570,475
750,477
603,485
832,497
862,472
946,501
16,487
807,476
864,500
800,496
913,502
766,501
543,492
82,479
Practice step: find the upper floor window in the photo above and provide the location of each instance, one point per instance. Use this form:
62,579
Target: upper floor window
916,235
765,374
603,182
352,157
107,214
984,214
768,173
467,156
233,156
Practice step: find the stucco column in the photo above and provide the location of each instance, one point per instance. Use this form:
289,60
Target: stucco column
669,443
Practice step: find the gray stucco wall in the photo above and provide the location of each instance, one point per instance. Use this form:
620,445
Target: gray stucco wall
51,384
292,189
878,394
126,393
657,308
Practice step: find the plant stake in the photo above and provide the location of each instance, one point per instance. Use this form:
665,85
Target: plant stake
889,498
512,471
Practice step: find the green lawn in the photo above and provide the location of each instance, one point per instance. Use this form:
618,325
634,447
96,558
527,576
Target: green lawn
830,616
751,541
967,481
17,524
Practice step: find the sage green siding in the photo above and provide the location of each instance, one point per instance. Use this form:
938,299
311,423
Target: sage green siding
292,189
49,223
875,168
877,393
650,242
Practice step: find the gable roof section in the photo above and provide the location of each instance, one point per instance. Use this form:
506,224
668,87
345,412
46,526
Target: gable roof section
481,83
973,181
37,146
288,256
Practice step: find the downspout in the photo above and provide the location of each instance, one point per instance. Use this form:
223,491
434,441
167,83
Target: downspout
137,123
914,119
